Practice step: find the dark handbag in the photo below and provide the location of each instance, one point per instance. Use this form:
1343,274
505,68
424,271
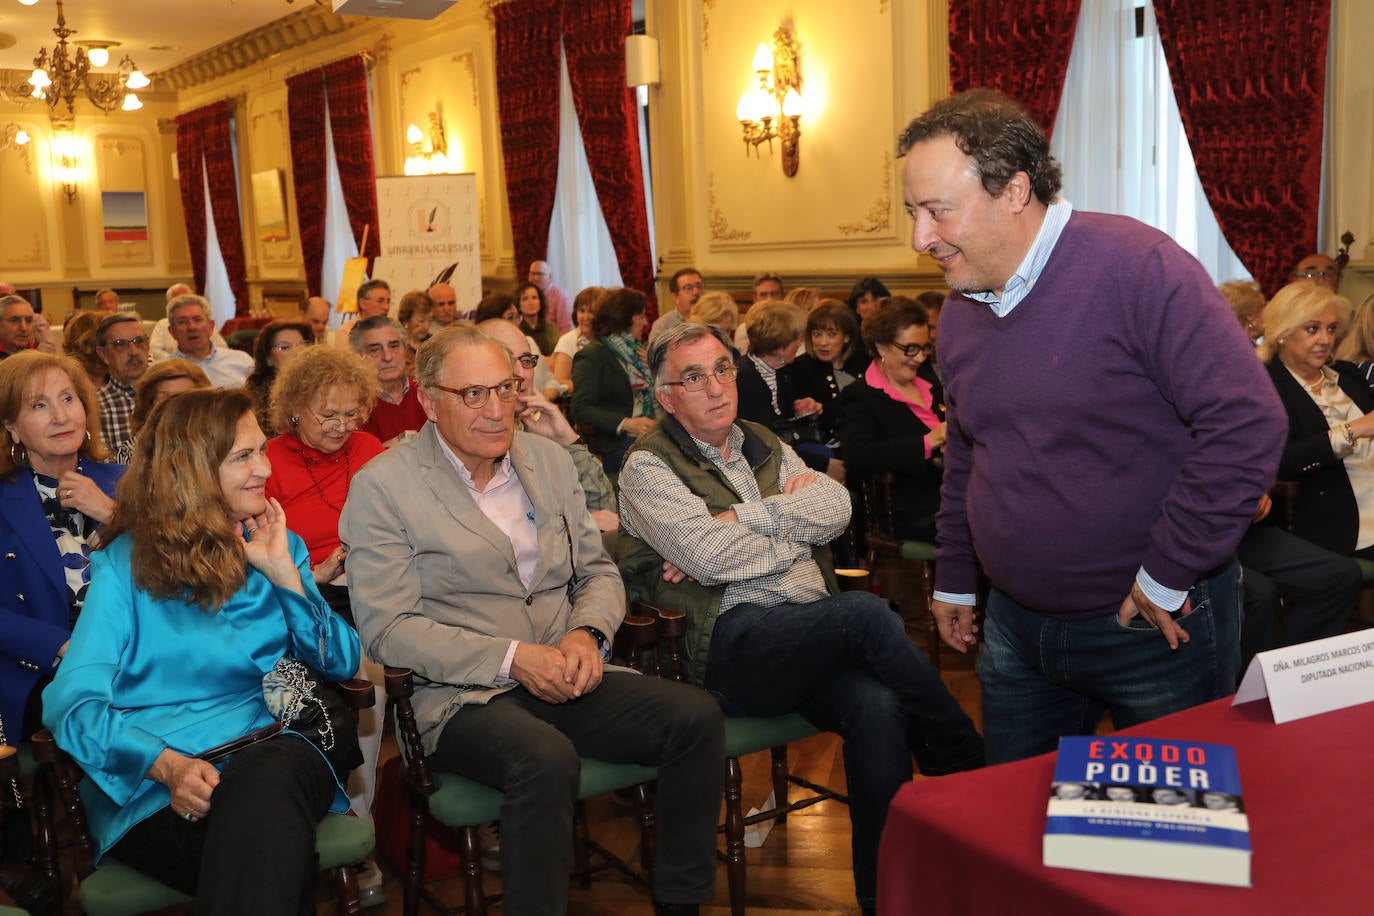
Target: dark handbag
303,700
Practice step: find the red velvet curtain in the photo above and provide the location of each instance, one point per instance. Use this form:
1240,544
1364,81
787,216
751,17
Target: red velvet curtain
1250,78
594,40
191,128
351,124
305,107
1021,49
342,85
206,143
527,77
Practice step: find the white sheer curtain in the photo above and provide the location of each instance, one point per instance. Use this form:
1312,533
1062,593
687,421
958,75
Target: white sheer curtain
339,244
580,250
218,292
1120,140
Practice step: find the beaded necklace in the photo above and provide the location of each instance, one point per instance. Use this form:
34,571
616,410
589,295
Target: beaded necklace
309,463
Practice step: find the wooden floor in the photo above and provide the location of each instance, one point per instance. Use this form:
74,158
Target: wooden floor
804,866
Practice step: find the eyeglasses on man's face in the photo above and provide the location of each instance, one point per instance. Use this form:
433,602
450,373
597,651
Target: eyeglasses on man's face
122,344
476,396
1329,273
528,360
697,381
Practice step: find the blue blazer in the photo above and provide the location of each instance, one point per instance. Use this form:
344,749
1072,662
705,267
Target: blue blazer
33,591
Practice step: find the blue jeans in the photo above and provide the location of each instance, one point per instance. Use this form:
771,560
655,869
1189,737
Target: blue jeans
1043,677
847,665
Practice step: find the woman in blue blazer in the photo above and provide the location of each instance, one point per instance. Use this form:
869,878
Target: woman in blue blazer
54,495
201,591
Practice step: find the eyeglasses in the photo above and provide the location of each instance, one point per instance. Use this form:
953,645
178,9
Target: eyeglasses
122,344
1329,273
189,321
349,421
284,347
476,396
697,381
528,360
912,350
19,319
691,287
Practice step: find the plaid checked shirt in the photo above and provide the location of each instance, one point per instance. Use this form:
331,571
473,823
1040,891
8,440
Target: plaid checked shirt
116,410
763,558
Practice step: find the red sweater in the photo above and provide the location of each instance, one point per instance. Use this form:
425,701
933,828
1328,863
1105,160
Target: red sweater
312,486
390,420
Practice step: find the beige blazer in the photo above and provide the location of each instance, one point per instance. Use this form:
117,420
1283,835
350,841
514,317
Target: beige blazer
434,584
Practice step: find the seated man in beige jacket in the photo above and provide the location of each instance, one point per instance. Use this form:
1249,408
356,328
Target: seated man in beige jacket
473,560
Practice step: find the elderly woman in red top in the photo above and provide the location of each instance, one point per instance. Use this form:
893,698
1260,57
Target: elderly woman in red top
319,401
892,419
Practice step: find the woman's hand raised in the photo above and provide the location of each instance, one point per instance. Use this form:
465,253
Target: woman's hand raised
267,549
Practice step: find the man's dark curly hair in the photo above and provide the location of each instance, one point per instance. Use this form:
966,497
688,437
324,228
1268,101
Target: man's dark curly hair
998,133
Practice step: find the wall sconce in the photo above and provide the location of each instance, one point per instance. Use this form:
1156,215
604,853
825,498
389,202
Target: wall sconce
66,164
17,139
777,97
429,152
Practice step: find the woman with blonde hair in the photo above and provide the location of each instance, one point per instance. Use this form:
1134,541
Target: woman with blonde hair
1330,447
1247,301
805,298
55,492
717,310
198,596
1358,344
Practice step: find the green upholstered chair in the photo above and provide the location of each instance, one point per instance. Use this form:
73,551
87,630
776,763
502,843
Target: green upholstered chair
744,735
114,889
914,557
463,804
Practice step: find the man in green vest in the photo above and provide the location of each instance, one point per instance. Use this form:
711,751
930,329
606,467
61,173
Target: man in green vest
724,522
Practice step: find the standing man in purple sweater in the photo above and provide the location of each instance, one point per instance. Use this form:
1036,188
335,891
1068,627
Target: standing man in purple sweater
1110,434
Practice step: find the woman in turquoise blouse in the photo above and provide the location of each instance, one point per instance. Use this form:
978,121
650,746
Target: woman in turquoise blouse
200,591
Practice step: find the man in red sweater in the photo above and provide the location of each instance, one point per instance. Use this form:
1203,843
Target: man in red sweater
380,341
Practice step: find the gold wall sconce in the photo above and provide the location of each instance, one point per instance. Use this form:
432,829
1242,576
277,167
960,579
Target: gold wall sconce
429,153
776,98
17,139
66,164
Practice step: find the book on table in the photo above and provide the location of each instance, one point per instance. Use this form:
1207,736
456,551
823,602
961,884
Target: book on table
1149,807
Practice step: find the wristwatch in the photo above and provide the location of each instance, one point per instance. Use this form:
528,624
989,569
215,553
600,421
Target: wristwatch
602,643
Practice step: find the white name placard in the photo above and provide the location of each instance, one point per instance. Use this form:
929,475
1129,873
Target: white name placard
1312,677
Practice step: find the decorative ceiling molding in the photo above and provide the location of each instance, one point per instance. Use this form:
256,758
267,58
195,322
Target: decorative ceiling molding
879,218
292,31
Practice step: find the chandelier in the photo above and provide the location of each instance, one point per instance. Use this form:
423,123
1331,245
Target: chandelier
60,73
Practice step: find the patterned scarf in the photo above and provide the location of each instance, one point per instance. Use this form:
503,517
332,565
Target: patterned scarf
631,356
75,538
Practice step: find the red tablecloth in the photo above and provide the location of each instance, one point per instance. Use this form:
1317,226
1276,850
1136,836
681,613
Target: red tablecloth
971,843
251,323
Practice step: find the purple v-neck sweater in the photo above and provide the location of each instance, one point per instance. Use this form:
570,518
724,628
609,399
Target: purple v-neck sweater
1118,417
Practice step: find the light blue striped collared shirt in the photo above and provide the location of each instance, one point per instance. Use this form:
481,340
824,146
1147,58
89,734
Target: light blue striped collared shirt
1016,289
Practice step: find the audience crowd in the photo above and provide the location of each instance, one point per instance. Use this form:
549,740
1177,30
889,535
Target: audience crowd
472,489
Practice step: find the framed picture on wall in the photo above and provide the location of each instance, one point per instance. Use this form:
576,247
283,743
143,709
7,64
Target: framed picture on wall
269,206
124,216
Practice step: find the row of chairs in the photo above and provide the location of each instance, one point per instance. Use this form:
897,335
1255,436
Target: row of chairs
650,640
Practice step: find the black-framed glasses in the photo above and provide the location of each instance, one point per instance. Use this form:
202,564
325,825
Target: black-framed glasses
476,396
913,350
122,344
1312,273
696,381
528,360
